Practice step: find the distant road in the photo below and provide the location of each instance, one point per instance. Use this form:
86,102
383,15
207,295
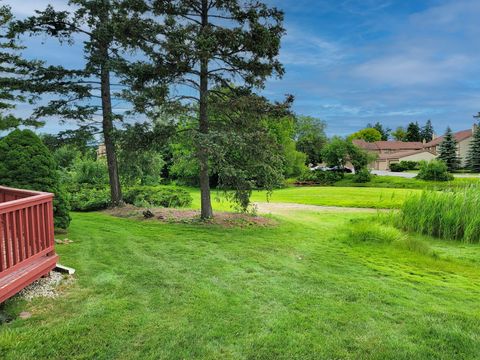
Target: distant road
409,175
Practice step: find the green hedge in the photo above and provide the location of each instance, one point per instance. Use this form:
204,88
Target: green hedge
321,177
91,199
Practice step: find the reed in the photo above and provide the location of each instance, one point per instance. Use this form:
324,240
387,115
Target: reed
453,214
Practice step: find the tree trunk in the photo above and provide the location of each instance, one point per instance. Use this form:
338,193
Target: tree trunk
206,203
115,188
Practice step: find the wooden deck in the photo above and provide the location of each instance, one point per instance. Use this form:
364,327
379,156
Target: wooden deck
26,239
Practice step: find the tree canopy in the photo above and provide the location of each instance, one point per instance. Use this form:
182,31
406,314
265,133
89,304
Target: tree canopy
368,134
214,45
310,137
413,132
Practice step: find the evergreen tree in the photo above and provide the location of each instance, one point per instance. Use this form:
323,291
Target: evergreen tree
473,157
13,69
413,132
448,151
82,93
385,132
427,131
213,44
25,162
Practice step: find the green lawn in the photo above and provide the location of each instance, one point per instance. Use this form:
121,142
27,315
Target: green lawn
301,290
322,195
399,182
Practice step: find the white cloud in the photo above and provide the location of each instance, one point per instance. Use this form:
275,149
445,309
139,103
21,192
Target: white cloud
303,48
412,69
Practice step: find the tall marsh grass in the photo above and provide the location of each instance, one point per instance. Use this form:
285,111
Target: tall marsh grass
451,214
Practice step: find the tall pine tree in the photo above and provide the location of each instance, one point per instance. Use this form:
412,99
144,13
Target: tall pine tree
82,93
14,70
473,157
413,132
448,151
216,45
427,131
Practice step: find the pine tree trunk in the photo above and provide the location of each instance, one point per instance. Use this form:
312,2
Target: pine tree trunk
115,188
206,203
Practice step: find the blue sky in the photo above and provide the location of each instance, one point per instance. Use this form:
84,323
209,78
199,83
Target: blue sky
350,62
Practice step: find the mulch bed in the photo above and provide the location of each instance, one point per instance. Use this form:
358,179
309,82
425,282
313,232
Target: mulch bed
185,216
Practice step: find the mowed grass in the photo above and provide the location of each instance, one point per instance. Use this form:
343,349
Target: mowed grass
406,183
378,198
301,290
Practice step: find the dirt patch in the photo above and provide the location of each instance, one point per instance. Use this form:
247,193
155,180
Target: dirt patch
184,216
285,208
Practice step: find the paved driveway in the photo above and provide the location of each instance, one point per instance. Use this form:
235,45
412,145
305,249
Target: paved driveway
409,175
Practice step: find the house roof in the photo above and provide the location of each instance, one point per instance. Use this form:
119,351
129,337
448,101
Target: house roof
398,145
459,136
365,145
401,154
388,145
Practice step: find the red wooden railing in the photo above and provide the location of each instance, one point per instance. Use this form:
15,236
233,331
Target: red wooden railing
26,238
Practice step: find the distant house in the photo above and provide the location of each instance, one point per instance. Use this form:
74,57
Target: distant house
389,152
101,151
463,138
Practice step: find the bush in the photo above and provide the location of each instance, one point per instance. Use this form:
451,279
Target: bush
362,176
434,170
448,214
144,196
397,167
26,163
90,199
409,165
321,177
87,171
403,166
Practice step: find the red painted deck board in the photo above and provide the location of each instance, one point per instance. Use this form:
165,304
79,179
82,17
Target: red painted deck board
26,239
17,280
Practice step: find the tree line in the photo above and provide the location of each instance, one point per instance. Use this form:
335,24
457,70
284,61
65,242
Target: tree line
190,69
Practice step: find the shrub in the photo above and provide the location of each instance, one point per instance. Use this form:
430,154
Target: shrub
66,156
321,177
434,170
449,214
25,162
403,166
157,196
397,167
409,165
90,199
362,176
87,171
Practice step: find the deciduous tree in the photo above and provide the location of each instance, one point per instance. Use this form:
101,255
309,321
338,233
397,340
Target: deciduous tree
311,138
368,134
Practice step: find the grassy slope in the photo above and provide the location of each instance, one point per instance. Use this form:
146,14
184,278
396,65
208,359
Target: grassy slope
326,196
300,290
